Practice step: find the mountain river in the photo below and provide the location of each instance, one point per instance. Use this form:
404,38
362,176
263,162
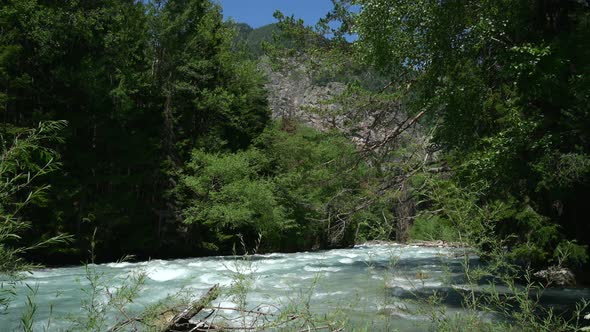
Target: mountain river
373,286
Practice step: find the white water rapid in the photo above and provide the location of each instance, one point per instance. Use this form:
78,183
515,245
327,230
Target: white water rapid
373,285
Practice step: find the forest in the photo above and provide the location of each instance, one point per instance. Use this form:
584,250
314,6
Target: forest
155,129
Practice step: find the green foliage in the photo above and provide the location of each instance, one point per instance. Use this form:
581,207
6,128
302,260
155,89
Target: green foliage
232,197
141,84
453,213
433,228
520,305
570,253
503,85
296,189
562,171
25,159
251,40
169,124
102,301
27,318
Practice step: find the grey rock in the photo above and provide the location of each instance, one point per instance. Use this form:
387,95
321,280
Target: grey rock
556,276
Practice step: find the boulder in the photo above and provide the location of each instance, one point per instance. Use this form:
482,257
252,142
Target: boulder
556,276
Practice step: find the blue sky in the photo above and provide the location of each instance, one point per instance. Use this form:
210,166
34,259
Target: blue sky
259,12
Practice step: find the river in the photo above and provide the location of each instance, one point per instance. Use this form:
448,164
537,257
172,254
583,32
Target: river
375,286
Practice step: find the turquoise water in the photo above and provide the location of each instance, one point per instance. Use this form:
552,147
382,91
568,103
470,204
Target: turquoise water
372,285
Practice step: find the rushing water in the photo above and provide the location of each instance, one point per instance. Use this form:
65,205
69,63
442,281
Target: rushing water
374,285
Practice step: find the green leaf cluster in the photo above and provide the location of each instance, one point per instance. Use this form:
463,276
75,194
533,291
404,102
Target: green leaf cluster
504,85
296,189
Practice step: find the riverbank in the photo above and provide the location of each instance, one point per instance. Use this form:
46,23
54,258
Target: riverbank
419,243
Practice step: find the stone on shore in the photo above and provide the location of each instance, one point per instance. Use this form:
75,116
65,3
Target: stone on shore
556,276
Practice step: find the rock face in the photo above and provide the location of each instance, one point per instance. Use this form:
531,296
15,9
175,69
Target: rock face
556,276
293,94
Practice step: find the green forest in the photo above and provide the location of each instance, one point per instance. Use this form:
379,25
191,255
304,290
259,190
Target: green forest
144,129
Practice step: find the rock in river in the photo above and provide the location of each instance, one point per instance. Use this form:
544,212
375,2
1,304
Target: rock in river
557,276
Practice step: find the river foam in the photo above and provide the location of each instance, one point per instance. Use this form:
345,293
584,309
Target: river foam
367,280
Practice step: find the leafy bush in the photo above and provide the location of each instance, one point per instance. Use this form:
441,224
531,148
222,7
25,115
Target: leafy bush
23,160
296,189
431,228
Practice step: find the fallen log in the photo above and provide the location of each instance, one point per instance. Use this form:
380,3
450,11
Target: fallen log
181,321
178,322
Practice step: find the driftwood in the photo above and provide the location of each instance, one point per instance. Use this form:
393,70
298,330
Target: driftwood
178,323
181,321
440,244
